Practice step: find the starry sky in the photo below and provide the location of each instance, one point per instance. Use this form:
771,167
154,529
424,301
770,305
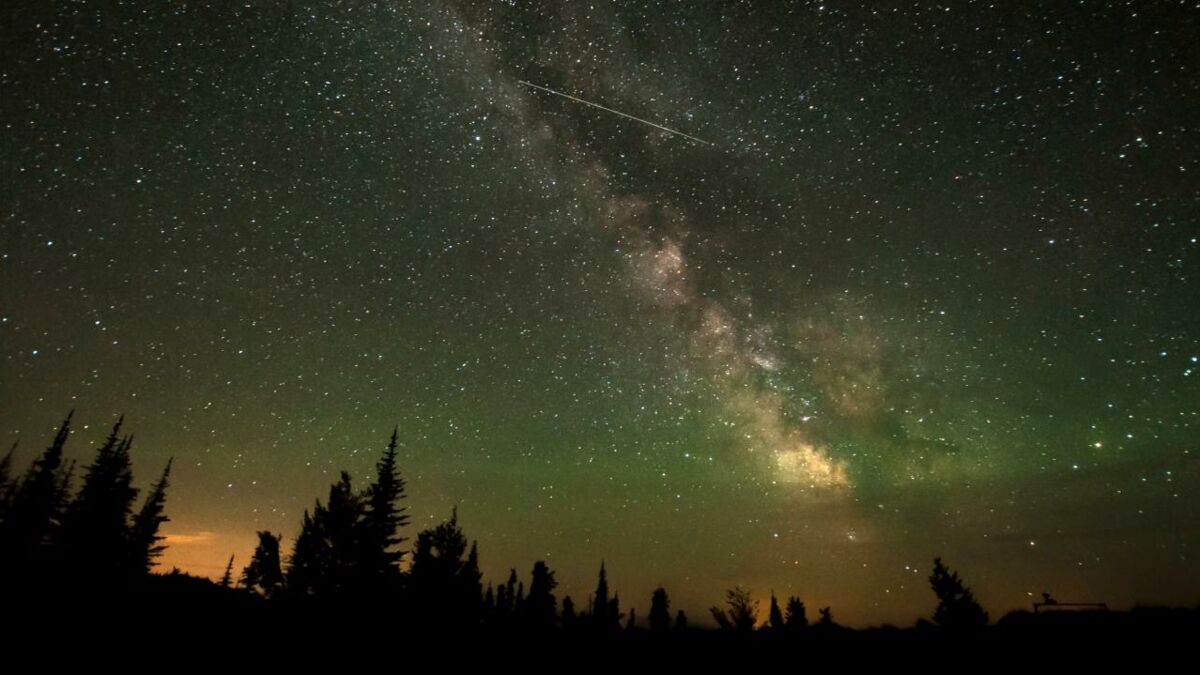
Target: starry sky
926,285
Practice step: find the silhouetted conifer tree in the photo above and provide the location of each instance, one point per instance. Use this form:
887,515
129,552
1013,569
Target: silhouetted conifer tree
144,538
382,521
227,578
660,610
341,517
775,616
681,622
797,617
35,506
349,547
631,624
264,574
606,612
569,619
826,620
540,609
957,607
310,556
95,526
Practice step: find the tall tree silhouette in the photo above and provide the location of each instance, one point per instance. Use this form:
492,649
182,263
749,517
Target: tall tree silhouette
796,617
660,610
94,531
957,607
264,574
35,506
606,612
382,521
775,615
540,608
341,527
227,578
144,538
349,546
310,557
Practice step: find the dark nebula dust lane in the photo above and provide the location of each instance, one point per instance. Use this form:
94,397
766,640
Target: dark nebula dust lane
927,287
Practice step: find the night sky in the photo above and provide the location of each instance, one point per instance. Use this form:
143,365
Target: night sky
928,286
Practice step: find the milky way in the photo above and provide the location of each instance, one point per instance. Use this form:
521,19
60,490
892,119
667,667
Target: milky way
928,291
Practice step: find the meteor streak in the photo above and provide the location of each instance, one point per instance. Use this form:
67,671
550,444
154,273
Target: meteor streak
615,112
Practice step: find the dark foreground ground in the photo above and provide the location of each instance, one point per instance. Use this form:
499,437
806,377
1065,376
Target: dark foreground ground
176,621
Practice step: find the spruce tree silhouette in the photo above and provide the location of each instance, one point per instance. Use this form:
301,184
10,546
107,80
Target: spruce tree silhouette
957,608
631,624
606,612
660,611
382,522
796,617
91,541
349,548
263,575
342,576
35,509
540,608
775,615
227,578
144,538
310,556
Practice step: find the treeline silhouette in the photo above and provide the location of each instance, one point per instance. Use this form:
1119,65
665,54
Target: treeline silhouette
88,537
76,551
